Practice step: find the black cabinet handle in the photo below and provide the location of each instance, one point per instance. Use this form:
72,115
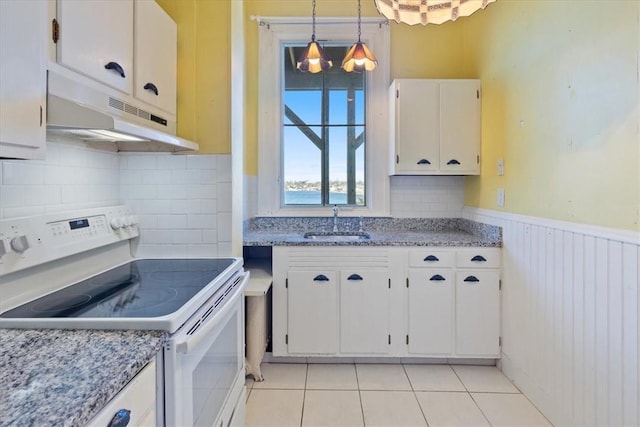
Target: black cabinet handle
479,258
115,67
453,162
121,418
153,88
471,279
423,162
354,277
437,278
321,278
431,258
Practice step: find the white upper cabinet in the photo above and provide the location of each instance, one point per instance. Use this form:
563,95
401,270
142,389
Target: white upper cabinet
156,51
23,79
435,127
96,39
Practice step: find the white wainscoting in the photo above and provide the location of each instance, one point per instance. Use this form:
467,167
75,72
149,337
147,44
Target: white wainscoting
570,300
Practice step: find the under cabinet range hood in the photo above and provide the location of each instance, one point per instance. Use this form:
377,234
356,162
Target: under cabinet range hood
84,111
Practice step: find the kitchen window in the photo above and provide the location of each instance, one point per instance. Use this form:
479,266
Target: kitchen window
322,137
323,133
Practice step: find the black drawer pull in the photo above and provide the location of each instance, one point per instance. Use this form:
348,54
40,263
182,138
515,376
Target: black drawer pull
471,279
121,418
354,277
153,88
437,278
431,258
321,278
479,258
453,162
115,67
423,162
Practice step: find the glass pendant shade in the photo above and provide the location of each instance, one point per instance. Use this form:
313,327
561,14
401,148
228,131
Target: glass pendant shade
313,59
359,58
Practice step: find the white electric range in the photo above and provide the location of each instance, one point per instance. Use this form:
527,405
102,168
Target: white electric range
76,270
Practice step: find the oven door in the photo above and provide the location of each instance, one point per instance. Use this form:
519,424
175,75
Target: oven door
204,363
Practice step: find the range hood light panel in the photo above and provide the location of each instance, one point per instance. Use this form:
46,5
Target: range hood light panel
116,136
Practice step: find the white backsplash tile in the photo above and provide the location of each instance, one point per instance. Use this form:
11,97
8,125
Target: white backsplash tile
170,161
201,162
175,196
181,211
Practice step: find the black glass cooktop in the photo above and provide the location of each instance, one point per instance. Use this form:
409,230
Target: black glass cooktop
141,288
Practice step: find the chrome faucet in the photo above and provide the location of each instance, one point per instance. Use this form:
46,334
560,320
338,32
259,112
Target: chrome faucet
335,218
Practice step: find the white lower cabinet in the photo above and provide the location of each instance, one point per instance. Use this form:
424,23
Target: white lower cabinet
477,313
386,302
312,312
431,311
138,397
364,312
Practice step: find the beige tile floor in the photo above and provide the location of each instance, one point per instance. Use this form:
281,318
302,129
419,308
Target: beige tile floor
387,395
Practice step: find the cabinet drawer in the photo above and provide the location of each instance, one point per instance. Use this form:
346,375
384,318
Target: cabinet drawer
479,258
430,258
139,396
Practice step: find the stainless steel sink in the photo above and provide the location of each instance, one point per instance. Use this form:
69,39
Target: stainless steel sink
337,236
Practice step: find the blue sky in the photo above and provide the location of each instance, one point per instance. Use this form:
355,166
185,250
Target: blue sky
302,158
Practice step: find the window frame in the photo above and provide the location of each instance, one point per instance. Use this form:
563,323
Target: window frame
273,36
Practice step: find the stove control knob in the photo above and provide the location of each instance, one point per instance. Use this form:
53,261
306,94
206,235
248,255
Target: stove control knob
3,248
20,243
132,220
116,223
128,221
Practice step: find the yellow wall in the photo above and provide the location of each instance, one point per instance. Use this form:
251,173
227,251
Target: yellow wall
204,95
560,94
560,106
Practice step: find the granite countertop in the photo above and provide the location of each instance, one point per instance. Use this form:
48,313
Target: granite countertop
59,377
277,231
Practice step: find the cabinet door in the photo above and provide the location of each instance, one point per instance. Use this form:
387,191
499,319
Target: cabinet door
94,34
460,126
477,313
23,78
431,311
312,323
156,53
416,126
364,311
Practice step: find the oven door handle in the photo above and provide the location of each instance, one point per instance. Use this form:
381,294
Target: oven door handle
186,343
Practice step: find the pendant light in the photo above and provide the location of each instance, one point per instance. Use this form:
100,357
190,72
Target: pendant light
313,58
359,58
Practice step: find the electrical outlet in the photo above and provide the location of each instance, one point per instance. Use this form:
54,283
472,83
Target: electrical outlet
500,198
500,167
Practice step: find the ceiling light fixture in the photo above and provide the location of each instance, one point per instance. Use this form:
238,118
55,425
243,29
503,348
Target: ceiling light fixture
359,58
313,58
428,11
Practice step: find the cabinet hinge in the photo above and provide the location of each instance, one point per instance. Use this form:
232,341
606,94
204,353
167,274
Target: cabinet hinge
499,285
407,339
397,93
478,94
397,158
499,341
55,30
407,282
389,339
478,159
41,116
389,283
286,338
286,283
